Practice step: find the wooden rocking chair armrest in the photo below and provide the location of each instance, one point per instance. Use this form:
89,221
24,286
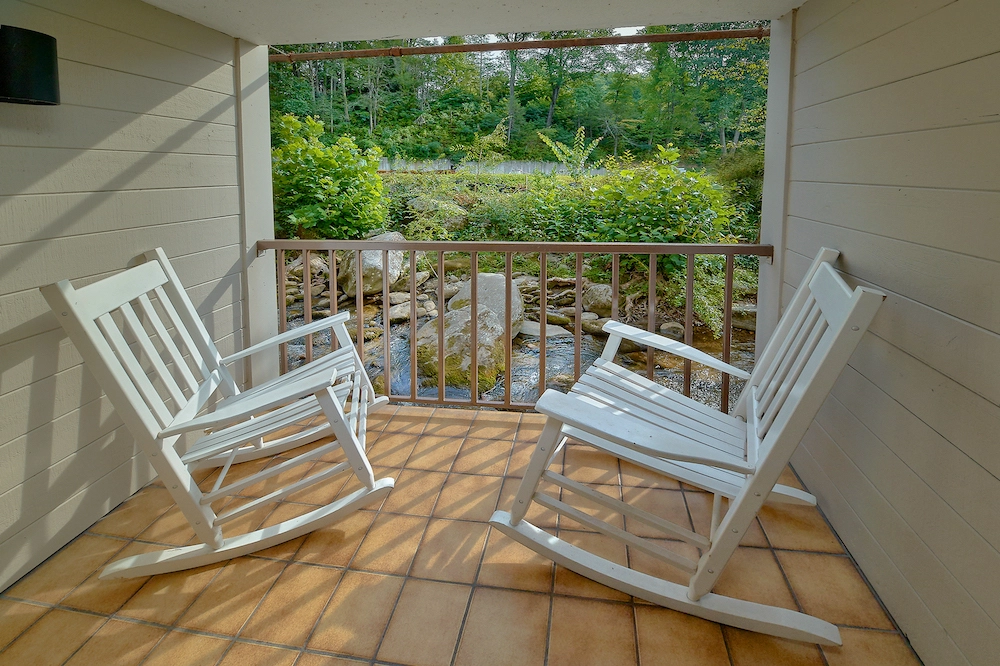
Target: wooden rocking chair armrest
292,334
241,406
655,341
600,419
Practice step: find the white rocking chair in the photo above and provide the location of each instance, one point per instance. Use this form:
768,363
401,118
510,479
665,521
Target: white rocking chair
739,456
161,382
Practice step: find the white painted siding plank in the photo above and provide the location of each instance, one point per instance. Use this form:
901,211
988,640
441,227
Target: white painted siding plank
858,24
55,170
973,31
932,158
85,128
148,22
943,98
83,84
70,215
958,220
86,42
962,286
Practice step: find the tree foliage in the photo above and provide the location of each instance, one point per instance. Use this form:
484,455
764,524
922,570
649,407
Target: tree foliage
706,98
323,191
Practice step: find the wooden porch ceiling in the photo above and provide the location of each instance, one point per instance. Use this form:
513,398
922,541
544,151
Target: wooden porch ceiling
304,21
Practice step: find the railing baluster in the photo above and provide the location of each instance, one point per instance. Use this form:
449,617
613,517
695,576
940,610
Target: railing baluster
332,263
688,320
474,328
543,305
359,303
508,351
306,248
727,330
441,310
614,286
651,313
386,325
413,325
578,324
282,309
307,313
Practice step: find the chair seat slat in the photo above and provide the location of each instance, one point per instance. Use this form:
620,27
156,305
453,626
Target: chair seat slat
673,411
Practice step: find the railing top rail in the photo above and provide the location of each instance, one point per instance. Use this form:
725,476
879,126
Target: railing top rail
724,249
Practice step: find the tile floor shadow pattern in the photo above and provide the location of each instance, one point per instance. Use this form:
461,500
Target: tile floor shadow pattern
423,580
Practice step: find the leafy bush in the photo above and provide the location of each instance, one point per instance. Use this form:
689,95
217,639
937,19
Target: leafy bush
743,175
323,191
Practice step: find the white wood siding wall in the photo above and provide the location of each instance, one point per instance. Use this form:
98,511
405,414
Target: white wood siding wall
893,160
142,152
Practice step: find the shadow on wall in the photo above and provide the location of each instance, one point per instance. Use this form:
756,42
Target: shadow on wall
85,187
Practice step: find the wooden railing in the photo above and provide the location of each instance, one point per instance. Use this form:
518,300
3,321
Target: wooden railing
331,248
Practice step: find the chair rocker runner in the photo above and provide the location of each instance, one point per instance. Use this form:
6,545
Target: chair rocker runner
140,336
738,456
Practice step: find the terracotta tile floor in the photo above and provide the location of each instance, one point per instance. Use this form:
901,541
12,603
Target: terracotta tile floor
422,580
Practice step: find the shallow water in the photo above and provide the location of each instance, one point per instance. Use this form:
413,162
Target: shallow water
706,384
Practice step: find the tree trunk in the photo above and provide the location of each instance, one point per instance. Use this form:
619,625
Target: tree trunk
343,90
552,103
511,100
722,138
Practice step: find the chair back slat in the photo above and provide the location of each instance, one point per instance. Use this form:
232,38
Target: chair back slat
178,360
789,379
189,346
138,332
111,293
832,294
778,373
151,399
193,325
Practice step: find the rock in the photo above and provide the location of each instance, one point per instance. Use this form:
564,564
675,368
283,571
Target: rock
422,297
372,270
458,348
403,283
594,326
745,316
397,297
560,382
588,316
557,318
450,289
317,289
672,330
491,294
535,329
289,299
399,313
457,265
449,215
597,298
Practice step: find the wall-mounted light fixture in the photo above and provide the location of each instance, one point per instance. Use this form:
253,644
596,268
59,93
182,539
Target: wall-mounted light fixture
29,71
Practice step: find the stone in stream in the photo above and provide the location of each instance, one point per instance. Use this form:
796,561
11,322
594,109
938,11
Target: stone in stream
372,270
745,316
672,330
397,297
491,291
458,348
597,298
535,329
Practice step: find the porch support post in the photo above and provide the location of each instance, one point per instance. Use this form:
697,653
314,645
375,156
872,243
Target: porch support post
777,149
259,282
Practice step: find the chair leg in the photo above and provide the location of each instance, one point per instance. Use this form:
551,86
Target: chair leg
348,440
548,445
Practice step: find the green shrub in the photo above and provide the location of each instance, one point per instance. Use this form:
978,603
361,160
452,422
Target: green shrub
323,191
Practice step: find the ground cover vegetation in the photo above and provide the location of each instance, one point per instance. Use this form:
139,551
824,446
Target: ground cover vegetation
676,129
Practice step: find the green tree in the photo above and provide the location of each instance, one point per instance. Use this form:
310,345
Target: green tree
323,191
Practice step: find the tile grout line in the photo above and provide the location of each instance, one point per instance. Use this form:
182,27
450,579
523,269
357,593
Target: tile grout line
486,539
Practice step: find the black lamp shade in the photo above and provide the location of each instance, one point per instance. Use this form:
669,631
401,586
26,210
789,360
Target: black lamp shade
29,71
